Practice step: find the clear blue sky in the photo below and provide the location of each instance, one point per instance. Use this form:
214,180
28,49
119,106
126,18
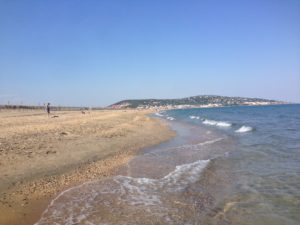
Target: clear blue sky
99,52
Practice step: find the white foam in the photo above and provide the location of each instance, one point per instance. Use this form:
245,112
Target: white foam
183,175
196,146
57,212
195,117
244,129
147,191
158,114
216,123
76,205
170,118
151,193
210,141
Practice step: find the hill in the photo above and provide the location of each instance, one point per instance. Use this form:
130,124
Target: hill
200,101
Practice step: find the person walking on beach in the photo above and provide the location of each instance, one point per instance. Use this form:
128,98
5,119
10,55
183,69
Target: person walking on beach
48,109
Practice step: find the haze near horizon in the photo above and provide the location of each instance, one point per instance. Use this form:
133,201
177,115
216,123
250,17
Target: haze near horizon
96,53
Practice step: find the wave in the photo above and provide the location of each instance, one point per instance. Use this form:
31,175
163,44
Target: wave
184,175
170,118
177,180
196,146
216,123
195,117
244,129
86,202
159,114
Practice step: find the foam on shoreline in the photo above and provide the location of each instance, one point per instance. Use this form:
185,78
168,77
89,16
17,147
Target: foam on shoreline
76,204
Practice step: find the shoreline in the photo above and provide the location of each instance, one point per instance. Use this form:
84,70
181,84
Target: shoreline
23,200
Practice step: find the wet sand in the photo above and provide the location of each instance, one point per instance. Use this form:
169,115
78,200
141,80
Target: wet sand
41,156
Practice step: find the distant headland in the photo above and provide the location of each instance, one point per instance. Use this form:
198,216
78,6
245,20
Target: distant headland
199,101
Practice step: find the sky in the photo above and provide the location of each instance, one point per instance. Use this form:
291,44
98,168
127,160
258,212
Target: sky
95,53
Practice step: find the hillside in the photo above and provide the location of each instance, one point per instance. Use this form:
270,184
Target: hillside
192,102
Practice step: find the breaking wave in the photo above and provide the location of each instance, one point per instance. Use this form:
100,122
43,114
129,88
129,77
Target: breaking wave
216,123
170,118
159,114
244,129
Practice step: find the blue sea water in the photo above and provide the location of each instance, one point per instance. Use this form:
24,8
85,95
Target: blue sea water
231,165
265,161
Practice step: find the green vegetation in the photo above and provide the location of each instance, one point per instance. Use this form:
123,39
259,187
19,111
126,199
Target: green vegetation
199,100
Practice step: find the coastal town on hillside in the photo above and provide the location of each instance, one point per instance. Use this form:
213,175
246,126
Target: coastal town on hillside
201,101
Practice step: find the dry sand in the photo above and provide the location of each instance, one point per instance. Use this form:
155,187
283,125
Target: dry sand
41,156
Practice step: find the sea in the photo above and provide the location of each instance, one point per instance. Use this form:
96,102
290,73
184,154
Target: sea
229,165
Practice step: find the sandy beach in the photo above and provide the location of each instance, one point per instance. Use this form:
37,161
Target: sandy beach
40,156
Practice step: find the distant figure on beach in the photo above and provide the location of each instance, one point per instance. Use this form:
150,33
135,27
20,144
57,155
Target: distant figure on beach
48,109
